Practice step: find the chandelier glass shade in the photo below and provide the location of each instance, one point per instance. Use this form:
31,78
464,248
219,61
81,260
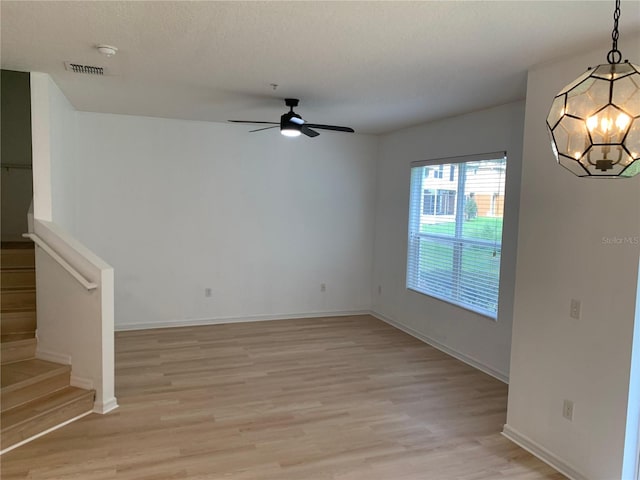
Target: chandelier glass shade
594,122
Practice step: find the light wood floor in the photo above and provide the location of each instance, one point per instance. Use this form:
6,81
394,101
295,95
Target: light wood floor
322,399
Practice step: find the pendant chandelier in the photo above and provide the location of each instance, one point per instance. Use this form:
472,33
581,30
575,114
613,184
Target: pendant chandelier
594,122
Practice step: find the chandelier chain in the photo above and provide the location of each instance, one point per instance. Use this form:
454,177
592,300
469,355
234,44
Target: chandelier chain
614,55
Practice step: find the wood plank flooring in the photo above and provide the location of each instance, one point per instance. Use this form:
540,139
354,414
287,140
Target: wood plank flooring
346,398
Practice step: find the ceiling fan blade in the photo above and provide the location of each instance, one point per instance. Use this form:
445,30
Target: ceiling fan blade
330,127
308,132
251,121
265,128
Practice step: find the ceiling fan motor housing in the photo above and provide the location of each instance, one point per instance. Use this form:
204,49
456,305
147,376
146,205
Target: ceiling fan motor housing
291,102
285,121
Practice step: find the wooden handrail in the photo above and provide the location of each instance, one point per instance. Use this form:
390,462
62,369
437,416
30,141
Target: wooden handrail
63,263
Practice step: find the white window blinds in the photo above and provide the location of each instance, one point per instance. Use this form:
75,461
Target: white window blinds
455,230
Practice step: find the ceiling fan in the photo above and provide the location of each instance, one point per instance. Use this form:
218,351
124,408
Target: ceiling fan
292,125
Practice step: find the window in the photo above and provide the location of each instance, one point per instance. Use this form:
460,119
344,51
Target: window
455,230
438,202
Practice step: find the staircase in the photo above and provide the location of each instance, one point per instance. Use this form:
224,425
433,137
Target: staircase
35,395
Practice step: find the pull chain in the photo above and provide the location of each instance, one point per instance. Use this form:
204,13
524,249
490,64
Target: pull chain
614,55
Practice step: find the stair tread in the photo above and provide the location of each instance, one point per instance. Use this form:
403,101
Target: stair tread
12,281
18,300
41,406
27,288
17,251
17,350
17,258
17,245
18,322
24,308
19,314
16,325
9,338
18,269
27,372
16,342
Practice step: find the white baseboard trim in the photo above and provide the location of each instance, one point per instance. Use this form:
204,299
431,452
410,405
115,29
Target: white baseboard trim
81,382
223,320
503,377
49,430
55,357
542,453
105,407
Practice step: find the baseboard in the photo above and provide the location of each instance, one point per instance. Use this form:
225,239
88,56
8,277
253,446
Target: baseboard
503,377
244,319
105,407
81,382
542,453
53,357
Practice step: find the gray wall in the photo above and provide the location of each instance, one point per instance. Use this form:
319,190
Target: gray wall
17,185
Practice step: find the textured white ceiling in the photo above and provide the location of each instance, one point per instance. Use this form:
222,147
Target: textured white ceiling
375,66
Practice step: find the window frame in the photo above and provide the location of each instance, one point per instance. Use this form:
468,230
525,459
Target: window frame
414,235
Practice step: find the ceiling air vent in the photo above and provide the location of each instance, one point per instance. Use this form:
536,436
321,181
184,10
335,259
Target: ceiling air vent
79,68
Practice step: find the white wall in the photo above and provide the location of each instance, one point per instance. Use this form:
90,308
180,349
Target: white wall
41,144
567,249
476,339
75,326
631,460
63,158
54,144
178,206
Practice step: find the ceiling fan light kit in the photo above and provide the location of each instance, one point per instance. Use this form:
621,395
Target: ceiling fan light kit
290,131
290,122
594,122
293,125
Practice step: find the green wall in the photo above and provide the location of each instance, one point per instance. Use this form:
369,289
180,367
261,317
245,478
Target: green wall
15,149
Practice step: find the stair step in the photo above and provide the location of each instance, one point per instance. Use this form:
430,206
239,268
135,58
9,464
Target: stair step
14,337
46,412
18,322
17,257
26,380
18,300
17,350
25,244
12,278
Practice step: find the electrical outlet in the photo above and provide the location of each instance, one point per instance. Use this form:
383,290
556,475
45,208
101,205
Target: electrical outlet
207,292
323,287
567,410
574,312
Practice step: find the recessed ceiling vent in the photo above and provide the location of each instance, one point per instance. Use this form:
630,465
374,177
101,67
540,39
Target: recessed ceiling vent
79,68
